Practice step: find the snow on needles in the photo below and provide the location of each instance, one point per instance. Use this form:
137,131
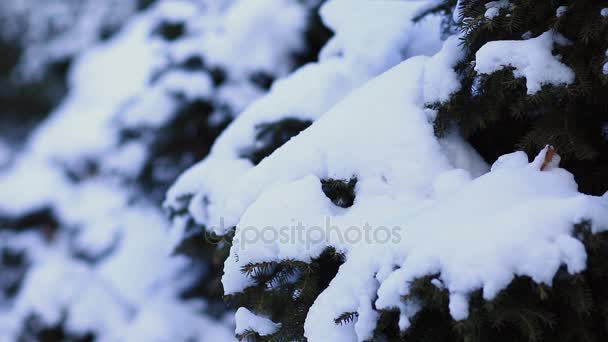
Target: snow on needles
438,213
446,223
248,321
345,64
530,58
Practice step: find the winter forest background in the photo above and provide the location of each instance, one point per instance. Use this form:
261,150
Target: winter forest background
290,170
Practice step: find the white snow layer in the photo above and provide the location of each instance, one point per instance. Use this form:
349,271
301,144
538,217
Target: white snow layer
475,232
530,58
246,321
346,62
493,8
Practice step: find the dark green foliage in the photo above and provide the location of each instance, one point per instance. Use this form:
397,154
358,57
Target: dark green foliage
193,63
43,219
170,30
271,136
495,113
262,79
340,192
80,170
315,37
186,139
24,103
13,264
346,318
207,252
218,76
143,4
285,291
35,330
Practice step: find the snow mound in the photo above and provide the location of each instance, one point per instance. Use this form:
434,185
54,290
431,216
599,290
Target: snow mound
246,321
346,62
530,58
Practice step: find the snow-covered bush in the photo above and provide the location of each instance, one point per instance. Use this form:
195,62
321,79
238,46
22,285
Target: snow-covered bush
84,249
359,210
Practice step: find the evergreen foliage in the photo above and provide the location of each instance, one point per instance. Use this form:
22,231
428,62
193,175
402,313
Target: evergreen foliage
13,264
271,136
572,309
341,193
495,113
285,291
26,102
208,250
497,116
36,330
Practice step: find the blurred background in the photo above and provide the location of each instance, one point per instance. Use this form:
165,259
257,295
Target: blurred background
103,103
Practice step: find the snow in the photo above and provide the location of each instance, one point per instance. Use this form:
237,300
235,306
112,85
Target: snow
247,321
345,63
59,30
131,53
530,58
91,306
493,8
161,320
253,29
456,17
405,182
440,79
367,42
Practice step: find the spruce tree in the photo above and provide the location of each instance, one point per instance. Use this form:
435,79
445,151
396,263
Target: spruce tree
284,291
497,113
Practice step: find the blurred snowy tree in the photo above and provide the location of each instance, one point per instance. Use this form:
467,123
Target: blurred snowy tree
81,202
39,41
